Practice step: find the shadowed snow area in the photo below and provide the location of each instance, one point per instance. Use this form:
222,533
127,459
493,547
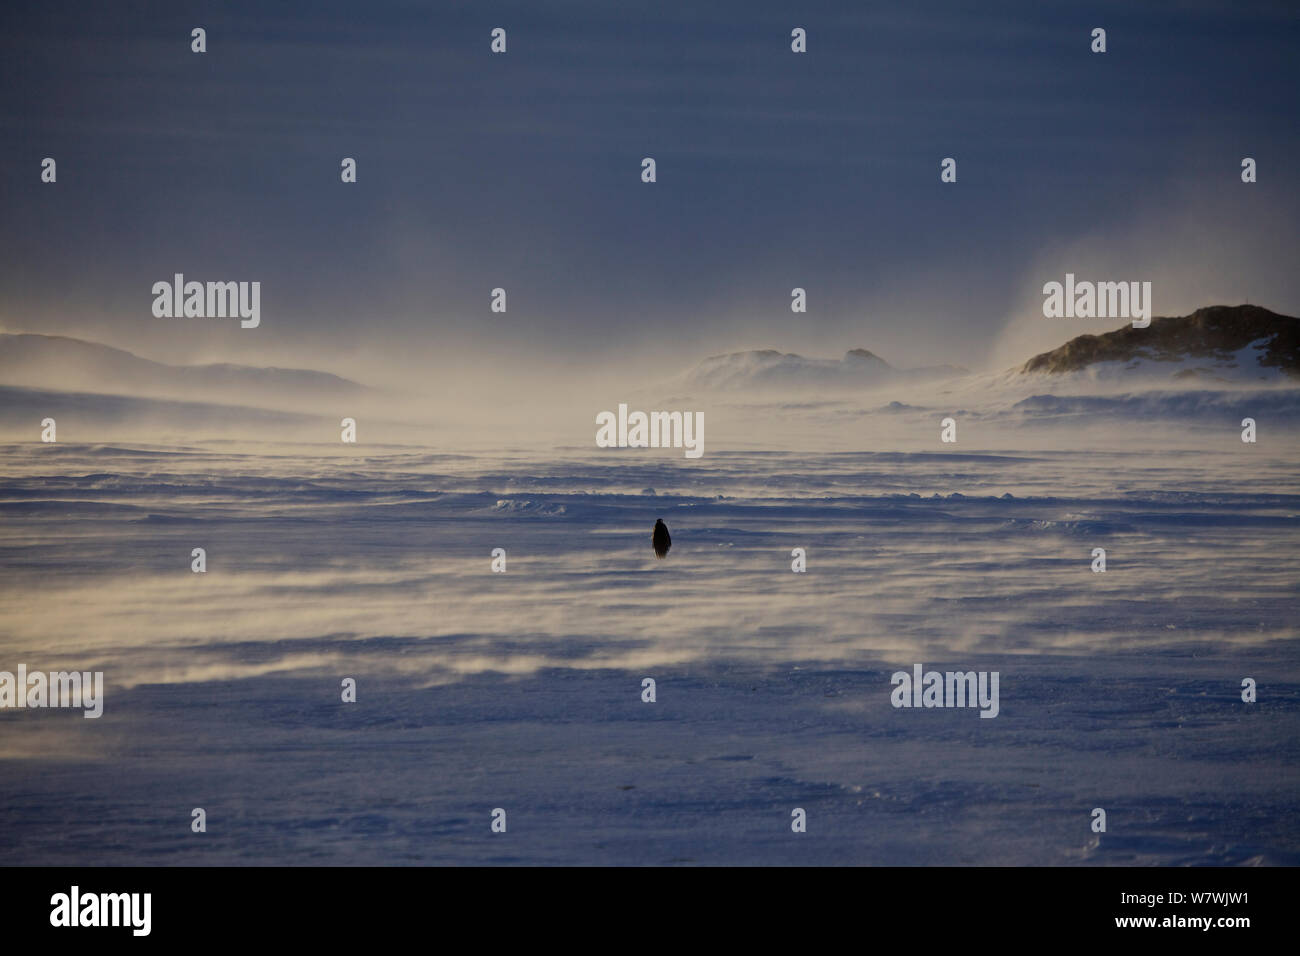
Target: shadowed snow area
522,690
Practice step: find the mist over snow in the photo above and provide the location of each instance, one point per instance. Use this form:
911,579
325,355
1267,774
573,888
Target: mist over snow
522,689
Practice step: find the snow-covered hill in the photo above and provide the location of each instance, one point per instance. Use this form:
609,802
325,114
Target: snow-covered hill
63,363
772,370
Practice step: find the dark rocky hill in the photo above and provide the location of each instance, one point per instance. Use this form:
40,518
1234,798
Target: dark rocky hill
1214,333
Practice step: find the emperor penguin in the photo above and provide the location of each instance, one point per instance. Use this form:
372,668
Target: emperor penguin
660,539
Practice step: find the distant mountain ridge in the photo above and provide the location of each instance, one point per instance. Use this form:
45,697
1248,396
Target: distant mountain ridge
1242,342
770,369
60,362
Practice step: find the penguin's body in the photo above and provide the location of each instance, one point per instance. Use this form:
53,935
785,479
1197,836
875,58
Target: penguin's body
660,539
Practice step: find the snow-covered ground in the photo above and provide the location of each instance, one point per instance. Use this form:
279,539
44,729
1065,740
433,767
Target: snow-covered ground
522,690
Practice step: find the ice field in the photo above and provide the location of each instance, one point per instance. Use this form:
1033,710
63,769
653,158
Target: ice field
522,690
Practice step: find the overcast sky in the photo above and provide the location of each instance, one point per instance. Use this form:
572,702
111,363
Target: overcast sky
522,171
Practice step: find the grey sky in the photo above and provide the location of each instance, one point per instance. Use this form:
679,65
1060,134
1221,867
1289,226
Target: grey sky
523,171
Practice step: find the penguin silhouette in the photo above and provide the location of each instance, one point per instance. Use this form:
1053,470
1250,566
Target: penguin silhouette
660,539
